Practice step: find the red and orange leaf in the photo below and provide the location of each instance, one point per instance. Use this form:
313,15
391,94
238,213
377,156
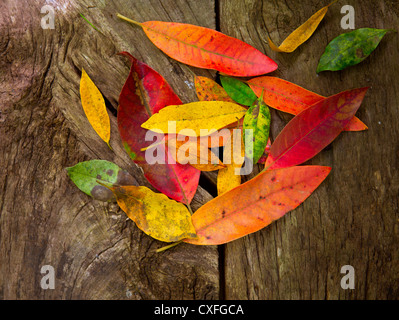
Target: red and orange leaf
313,129
255,204
146,92
206,48
209,90
288,97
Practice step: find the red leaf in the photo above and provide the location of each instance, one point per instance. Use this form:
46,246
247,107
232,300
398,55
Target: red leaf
313,129
146,92
288,97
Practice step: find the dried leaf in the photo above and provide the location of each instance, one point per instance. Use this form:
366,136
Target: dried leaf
195,116
302,33
350,48
145,93
255,204
87,174
94,107
155,214
206,48
288,97
313,129
238,91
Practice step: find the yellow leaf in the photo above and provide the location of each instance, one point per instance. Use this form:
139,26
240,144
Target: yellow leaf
94,107
195,153
303,33
227,177
207,115
155,214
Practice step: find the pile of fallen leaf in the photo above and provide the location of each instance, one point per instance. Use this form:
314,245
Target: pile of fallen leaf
223,117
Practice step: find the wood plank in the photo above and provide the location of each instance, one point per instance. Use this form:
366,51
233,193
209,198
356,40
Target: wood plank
353,218
44,219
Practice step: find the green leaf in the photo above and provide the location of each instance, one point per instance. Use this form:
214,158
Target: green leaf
350,48
87,174
238,91
258,119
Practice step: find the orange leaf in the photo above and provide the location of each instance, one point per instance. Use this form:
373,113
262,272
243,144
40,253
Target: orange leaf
255,204
206,48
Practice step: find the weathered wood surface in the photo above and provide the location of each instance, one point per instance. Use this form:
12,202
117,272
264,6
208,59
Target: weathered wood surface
44,219
353,218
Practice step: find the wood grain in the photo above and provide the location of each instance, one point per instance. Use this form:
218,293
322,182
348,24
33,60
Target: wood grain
353,217
44,219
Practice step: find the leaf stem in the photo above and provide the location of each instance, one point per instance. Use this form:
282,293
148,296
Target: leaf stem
89,23
168,246
129,20
109,146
